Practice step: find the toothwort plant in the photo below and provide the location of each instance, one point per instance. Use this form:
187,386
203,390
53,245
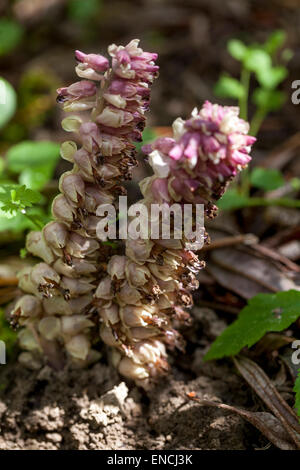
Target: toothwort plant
136,297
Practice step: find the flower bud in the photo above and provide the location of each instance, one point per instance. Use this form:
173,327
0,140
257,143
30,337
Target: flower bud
62,210
75,324
35,244
134,371
25,282
108,337
72,186
55,234
139,250
82,160
67,150
116,100
113,117
29,306
104,289
50,327
76,286
116,267
71,124
135,316
77,105
79,304
147,352
79,267
97,62
56,305
43,274
140,333
78,347
81,247
27,340
129,295
90,136
136,274
110,314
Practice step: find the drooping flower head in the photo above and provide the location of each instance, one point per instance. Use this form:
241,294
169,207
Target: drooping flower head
207,151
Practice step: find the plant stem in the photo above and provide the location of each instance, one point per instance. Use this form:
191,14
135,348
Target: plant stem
261,201
243,101
37,223
243,105
257,120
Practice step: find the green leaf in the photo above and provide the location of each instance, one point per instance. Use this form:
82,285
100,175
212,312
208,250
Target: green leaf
32,154
16,225
266,178
228,87
297,391
274,41
8,102
232,199
11,34
14,198
270,100
264,313
237,49
35,161
271,77
256,60
36,179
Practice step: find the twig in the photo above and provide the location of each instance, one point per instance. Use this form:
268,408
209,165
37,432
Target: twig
247,239
9,281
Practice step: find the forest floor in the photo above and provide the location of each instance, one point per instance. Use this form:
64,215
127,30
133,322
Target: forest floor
95,409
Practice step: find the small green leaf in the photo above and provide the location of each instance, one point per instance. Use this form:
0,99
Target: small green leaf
275,41
264,313
14,198
232,199
256,60
36,178
297,391
32,154
8,102
16,225
271,77
35,161
237,49
11,34
266,178
228,87
269,100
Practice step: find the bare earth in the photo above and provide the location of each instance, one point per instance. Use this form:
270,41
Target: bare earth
95,409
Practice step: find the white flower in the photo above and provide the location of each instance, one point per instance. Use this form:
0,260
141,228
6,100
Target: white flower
159,164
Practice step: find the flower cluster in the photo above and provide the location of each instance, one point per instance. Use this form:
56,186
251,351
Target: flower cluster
143,298
57,310
206,153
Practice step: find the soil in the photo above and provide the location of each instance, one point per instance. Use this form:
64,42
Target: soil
95,409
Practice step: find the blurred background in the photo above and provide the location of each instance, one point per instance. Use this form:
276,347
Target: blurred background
38,39
235,52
